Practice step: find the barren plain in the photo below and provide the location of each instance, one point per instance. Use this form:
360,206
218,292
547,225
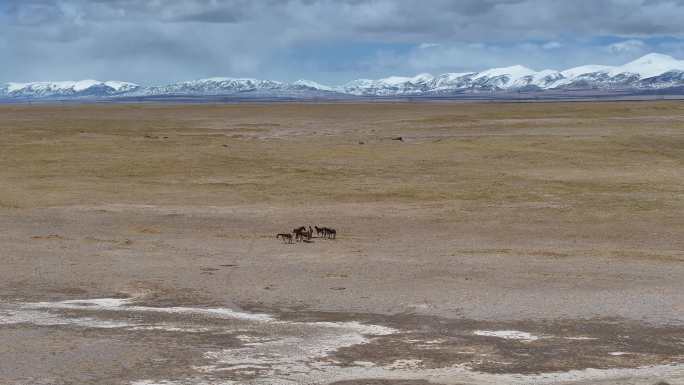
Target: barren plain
478,243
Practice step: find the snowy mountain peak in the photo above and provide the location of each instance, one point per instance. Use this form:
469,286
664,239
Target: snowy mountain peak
120,86
585,69
312,85
399,80
654,57
514,72
653,64
422,78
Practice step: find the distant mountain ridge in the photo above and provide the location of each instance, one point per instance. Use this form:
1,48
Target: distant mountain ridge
67,88
650,72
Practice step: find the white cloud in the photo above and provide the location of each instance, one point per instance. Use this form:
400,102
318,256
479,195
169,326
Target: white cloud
627,46
327,40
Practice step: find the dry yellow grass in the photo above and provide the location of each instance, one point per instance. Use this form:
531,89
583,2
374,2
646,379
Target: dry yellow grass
619,157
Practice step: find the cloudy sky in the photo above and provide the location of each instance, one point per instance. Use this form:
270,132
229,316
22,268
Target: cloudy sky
331,41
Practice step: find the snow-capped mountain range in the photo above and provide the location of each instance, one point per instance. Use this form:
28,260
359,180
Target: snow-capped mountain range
653,71
66,88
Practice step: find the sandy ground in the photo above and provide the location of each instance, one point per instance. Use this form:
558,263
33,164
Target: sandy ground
495,243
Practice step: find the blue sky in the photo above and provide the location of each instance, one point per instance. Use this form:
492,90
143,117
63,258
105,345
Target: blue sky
330,41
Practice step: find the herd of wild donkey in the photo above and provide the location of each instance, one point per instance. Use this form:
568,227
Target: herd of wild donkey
303,234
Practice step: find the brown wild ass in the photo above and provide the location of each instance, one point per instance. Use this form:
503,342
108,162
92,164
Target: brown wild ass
285,236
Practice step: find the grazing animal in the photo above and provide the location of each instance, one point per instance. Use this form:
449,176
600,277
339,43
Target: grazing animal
327,232
285,236
298,233
301,233
332,233
319,231
298,236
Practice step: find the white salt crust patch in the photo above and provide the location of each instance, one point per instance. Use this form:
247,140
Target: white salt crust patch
580,338
269,355
282,352
620,353
113,304
507,334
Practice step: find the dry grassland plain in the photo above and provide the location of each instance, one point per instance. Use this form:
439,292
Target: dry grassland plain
562,219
